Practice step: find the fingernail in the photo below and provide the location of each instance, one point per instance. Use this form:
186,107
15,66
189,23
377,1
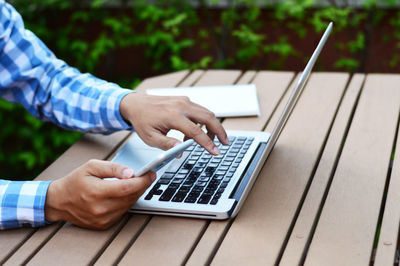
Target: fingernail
127,173
216,151
153,176
227,141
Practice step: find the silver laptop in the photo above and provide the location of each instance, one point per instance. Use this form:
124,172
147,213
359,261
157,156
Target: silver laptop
204,186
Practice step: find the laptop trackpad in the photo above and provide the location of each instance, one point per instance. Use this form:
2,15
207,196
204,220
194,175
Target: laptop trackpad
136,154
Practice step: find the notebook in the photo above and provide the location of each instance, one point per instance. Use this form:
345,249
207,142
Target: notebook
200,185
238,100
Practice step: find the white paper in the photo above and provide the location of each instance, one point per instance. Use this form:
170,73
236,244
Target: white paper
223,101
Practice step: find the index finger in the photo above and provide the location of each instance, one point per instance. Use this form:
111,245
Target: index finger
214,127
192,130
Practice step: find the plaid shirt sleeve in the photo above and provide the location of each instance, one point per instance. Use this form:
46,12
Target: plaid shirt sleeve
22,203
49,89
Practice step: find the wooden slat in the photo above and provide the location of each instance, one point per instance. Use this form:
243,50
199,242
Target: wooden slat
177,235
270,88
90,146
304,223
259,230
124,238
346,229
389,232
192,78
218,77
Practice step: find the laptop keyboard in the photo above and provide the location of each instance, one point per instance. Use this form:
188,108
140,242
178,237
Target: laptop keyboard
199,177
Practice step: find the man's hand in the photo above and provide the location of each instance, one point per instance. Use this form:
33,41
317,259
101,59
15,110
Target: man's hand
85,199
153,116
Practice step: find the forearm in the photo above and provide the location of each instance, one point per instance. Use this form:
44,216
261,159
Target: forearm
50,89
22,203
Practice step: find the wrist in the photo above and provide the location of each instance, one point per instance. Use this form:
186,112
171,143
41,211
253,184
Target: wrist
126,106
52,209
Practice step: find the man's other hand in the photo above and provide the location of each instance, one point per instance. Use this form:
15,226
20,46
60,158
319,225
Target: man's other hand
153,116
85,199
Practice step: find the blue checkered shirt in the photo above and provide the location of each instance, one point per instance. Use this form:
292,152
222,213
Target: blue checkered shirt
50,90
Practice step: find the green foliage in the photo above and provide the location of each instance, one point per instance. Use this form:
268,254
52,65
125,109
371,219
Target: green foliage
88,33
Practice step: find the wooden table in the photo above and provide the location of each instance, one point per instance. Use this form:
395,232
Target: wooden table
329,193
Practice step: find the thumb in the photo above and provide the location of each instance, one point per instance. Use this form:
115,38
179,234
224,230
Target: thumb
104,169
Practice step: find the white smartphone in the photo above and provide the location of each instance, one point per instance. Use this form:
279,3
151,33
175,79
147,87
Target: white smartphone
164,158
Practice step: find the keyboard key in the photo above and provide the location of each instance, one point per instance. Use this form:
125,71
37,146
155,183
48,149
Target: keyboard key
212,187
179,197
214,201
226,179
177,180
198,148
167,176
224,184
179,175
173,186
188,183
231,139
201,164
176,163
212,164
218,177
190,148
184,171
220,172
216,160
184,189
149,196
210,170
223,168
217,195
157,192
163,181
167,195
235,165
201,184
194,174
204,179
194,194
204,199
190,200
197,169
197,189
229,158
208,191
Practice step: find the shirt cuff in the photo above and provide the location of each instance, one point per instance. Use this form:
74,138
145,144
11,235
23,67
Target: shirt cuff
23,204
111,115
